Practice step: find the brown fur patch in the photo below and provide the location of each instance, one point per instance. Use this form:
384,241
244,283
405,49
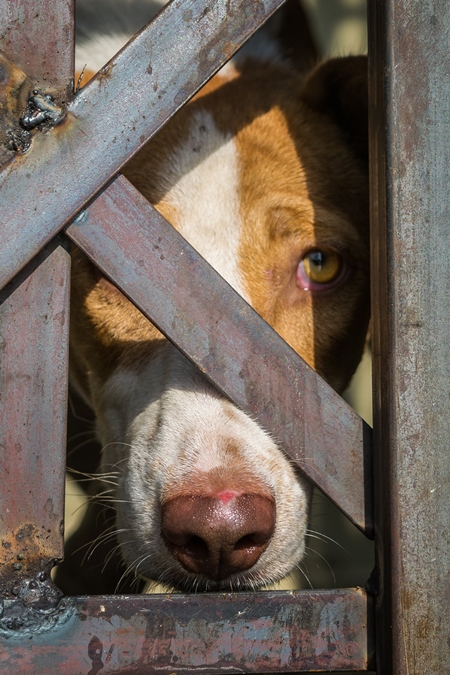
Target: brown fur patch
107,330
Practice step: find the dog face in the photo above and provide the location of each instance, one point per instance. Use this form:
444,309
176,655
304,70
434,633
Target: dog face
265,175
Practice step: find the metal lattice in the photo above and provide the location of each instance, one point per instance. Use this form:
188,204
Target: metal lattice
67,187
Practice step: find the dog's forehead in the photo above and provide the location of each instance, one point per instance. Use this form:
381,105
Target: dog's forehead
231,146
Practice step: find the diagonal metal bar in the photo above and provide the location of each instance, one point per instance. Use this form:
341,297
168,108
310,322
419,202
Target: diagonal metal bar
262,633
129,100
243,356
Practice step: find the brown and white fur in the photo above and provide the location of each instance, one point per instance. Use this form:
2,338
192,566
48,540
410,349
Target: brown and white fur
262,168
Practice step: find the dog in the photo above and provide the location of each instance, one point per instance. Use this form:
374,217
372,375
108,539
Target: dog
265,173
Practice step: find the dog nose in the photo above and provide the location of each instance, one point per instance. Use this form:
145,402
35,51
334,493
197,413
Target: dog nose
218,535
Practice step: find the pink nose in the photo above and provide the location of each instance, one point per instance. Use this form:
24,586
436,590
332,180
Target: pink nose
220,535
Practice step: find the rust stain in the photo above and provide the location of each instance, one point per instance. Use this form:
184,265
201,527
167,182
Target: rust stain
14,90
25,555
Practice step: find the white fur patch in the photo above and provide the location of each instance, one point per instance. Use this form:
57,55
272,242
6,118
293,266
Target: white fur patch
205,170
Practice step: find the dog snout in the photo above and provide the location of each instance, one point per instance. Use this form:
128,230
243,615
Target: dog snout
218,535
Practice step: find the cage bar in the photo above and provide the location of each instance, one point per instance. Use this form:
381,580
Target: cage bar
34,326
410,95
243,633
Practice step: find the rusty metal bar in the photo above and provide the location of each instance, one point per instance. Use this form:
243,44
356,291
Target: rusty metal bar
38,37
34,322
107,122
244,633
229,342
410,62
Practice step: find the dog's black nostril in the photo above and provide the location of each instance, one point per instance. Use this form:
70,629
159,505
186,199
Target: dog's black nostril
246,542
196,548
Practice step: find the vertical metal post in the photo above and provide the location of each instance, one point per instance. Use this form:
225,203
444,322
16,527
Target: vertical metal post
37,37
410,163
33,401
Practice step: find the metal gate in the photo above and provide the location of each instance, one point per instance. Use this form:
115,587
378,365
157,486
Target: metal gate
47,198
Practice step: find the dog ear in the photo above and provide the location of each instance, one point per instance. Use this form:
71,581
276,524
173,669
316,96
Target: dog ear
285,37
295,37
338,89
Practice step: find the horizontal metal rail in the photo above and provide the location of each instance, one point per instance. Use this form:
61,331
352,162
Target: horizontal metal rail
244,633
229,342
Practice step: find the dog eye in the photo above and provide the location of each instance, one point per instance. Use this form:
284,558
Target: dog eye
318,270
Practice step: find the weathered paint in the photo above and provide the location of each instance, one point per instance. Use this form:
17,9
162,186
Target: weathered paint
109,119
34,322
260,632
411,298
229,342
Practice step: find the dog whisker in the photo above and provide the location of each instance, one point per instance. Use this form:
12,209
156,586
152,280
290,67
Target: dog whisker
78,447
131,569
324,560
98,541
114,551
80,434
304,574
113,443
325,539
78,417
